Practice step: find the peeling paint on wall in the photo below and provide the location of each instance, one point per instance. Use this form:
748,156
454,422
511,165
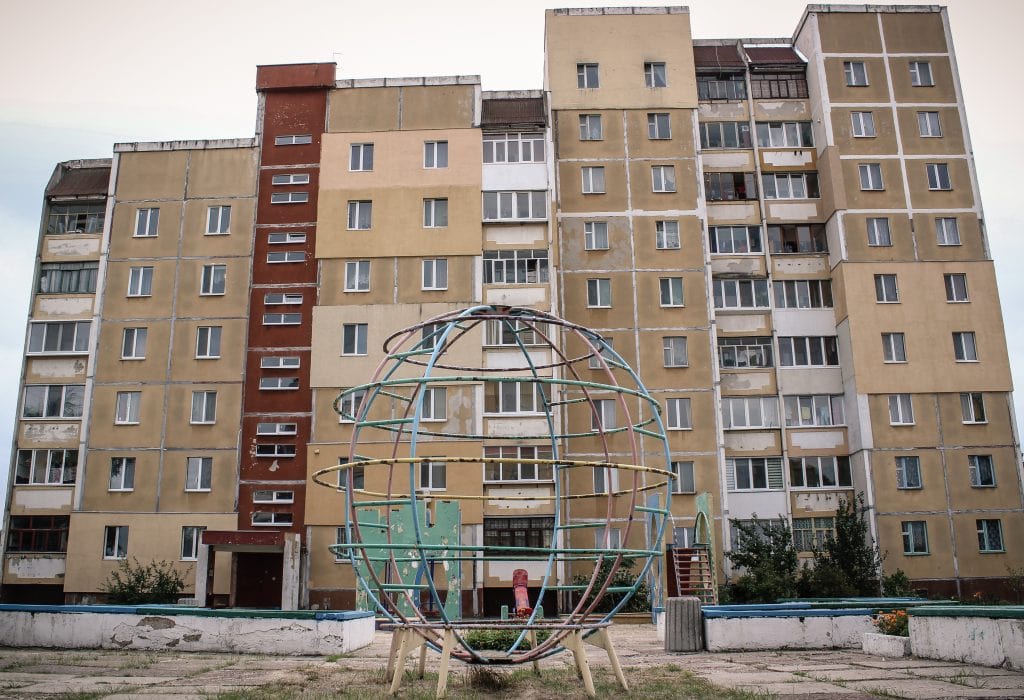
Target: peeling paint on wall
48,433
78,247
750,441
71,306
746,381
69,368
49,498
788,159
34,567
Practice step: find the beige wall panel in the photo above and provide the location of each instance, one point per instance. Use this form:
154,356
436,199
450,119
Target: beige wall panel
104,433
620,44
857,248
616,256
964,496
571,183
877,89
567,135
151,175
62,307
971,246
29,499
913,32
324,571
623,343
752,443
326,425
124,243
943,90
438,107
733,213
68,247
363,109
46,433
723,111
690,253
332,286
462,273
698,351
222,172
228,367
116,302
748,382
975,563
938,563
143,497
888,498
957,433
680,143
222,434
923,432
788,160
848,32
793,267
830,181
808,442
398,160
884,141
237,242
743,323
714,160
889,198
111,368
782,110
42,370
150,537
642,186
951,141
223,485
619,315
235,300
960,197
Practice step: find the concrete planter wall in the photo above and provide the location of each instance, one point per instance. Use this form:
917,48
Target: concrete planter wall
886,645
987,636
733,630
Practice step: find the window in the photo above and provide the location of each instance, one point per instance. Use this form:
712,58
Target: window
282,319
514,332
513,470
790,185
603,415
784,135
735,239
671,290
606,480
863,124
274,299
359,215
204,407
53,401
878,231
140,281
357,276
990,535
741,294
435,154
433,476
279,383
262,496
870,176
915,537
750,412
938,176
590,127
769,86
430,336
289,237
727,187
435,403
280,362
811,534
908,473
964,347
797,238
928,125
353,339
586,75
819,472
361,157
208,342
721,87
658,126
191,536
607,352
972,407
348,405
654,74
921,74
274,450
218,220
292,139
147,221
46,467
68,278
514,147
290,256
515,206
58,337
115,542
724,135
532,533
593,179
515,266
981,470
856,73
435,213
813,410
674,352
198,473
595,235
599,293
956,287
901,409
126,411
289,197
754,473
291,179
803,294
435,274
666,235
75,218
682,477
663,178
133,343
808,351
277,428
342,555
38,533
886,291
744,352
261,518
214,280
946,231
677,413
513,397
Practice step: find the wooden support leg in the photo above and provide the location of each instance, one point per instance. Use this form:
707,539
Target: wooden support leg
602,640
532,636
403,651
423,657
396,642
582,667
442,671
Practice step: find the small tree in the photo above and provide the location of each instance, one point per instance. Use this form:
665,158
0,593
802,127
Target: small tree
766,553
624,576
848,563
135,583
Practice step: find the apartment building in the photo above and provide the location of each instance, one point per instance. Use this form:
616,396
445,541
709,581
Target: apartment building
783,236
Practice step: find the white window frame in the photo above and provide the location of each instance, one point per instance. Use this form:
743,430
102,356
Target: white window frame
208,284
588,76
956,287
286,237
513,470
965,346
435,155
887,289
947,230
514,147
659,126
147,222
282,319
277,428
985,543
133,343
871,177
606,480
124,479
671,292
218,220
663,178
289,197
279,257
921,74
282,299
666,235
603,415
191,538
972,408
355,336
279,383
856,73
360,214
595,235
433,476
599,293
863,124
655,74
293,139
290,179
435,274
813,472
58,337
357,276
938,177
273,496
115,542
140,281
813,410
684,480
901,409
509,205
266,518
592,177
674,351
435,212
349,403
731,293
928,125
360,158
750,412
607,352
591,127
208,347
677,414
510,399
280,362
879,232
908,473
127,407
204,408
915,538
435,404
803,294
981,477
274,450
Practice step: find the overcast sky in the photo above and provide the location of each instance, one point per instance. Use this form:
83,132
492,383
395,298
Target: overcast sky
77,76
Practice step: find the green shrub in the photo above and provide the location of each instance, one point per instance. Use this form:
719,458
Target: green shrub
766,553
135,583
499,639
897,585
641,600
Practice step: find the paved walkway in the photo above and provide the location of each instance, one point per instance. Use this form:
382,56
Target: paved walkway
173,675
